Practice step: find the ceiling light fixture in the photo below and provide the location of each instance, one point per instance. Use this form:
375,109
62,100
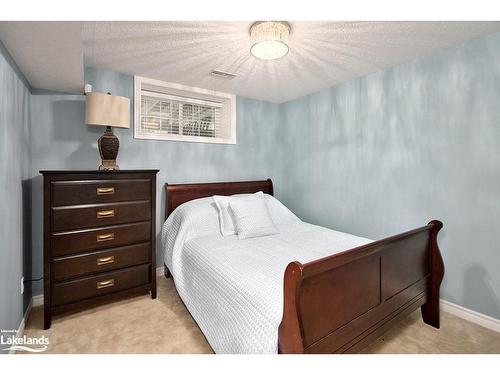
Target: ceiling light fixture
269,39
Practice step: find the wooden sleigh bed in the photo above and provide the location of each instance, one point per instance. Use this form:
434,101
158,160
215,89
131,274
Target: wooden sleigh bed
341,303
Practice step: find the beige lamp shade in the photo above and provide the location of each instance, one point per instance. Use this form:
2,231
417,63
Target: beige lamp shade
107,110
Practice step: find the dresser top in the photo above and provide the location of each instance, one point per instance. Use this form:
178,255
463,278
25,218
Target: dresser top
94,171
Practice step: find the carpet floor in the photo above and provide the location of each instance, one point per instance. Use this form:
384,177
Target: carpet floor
143,325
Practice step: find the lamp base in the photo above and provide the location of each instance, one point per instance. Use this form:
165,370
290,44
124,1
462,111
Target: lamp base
109,165
108,149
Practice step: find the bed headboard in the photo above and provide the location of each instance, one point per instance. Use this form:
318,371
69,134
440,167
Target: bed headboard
178,194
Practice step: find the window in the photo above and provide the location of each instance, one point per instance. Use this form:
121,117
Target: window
174,112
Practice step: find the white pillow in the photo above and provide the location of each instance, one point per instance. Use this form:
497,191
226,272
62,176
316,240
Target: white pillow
251,218
279,213
225,220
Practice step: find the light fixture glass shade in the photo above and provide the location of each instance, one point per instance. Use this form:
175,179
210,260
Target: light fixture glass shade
269,39
107,110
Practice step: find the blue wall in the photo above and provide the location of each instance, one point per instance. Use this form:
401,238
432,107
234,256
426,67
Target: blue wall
14,184
374,156
61,140
392,150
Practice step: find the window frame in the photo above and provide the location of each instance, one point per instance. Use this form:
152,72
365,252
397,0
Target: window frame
214,95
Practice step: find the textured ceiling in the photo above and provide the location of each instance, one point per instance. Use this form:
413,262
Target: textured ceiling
322,54
49,54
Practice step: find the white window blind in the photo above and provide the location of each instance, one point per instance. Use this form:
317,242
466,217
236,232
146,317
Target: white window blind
183,117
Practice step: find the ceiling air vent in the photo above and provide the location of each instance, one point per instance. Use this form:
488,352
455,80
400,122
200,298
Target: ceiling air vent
221,74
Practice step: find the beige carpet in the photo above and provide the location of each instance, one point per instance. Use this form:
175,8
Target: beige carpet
143,325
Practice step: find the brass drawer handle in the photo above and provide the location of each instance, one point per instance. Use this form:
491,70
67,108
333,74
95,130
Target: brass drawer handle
104,214
105,190
105,237
105,260
105,283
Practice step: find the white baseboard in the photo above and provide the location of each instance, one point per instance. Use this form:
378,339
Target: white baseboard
454,309
22,325
471,315
37,300
160,271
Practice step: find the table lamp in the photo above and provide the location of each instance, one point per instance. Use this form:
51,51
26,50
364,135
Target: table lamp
109,111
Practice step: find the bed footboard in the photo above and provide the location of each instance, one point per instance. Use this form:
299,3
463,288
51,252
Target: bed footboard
341,303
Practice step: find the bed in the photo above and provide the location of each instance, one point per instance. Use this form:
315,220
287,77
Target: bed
307,289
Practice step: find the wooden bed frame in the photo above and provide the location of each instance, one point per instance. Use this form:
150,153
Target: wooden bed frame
341,303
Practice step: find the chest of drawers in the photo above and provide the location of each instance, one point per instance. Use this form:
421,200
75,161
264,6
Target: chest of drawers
99,237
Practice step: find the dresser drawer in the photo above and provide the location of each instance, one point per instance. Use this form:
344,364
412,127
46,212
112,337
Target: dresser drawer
98,215
104,283
65,243
100,261
66,193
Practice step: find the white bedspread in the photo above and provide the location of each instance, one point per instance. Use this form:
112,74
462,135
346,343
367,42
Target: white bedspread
234,288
